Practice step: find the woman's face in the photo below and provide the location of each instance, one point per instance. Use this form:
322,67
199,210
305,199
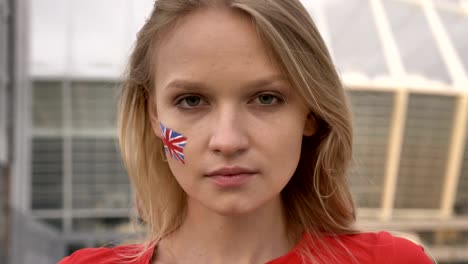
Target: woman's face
216,85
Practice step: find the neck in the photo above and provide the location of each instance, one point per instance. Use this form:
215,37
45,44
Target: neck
209,237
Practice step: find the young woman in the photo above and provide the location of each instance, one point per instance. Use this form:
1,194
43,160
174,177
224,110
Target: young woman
236,134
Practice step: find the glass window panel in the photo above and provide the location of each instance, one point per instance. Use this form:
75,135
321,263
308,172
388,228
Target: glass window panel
354,37
372,112
48,27
443,237
47,173
424,151
456,26
108,224
54,223
99,179
461,200
93,105
316,10
100,36
47,104
415,41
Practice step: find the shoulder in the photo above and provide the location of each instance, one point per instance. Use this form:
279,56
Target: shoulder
384,247
370,247
404,251
120,254
89,255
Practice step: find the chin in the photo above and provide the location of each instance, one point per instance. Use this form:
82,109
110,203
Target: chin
234,208
234,211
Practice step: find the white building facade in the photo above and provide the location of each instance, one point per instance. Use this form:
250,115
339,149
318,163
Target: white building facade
404,63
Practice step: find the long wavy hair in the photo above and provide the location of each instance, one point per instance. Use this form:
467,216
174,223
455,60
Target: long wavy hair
317,199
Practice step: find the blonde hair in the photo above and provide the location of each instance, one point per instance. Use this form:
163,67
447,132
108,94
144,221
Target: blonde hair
317,199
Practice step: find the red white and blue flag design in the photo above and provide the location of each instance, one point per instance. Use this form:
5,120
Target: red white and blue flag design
174,143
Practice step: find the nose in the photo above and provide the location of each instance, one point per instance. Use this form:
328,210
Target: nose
228,137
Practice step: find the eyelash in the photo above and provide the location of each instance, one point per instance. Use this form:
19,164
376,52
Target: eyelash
279,99
179,100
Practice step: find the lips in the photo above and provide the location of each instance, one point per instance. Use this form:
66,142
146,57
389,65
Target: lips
231,171
231,177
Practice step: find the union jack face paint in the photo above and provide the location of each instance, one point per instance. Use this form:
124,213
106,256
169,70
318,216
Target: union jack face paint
174,143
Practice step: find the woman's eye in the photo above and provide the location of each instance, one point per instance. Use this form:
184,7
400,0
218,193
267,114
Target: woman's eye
190,101
268,99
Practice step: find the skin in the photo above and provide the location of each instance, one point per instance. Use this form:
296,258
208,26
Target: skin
216,85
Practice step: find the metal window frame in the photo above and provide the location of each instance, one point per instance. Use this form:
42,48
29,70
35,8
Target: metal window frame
396,69
66,134
21,172
458,138
67,213
4,80
20,189
459,89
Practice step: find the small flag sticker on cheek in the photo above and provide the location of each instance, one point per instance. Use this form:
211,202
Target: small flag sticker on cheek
174,143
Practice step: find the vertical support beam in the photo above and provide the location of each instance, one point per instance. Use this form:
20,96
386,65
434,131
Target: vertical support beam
21,175
4,80
455,157
67,187
396,69
390,48
458,138
20,141
4,130
395,144
464,6
447,50
67,126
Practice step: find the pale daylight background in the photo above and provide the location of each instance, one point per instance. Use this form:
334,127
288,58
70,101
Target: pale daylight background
62,182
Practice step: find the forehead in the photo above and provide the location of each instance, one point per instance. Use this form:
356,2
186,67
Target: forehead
211,44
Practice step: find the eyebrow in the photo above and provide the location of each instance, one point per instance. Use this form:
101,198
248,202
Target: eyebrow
193,85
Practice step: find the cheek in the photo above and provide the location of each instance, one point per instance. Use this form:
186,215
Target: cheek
284,148
288,136
185,171
288,151
174,143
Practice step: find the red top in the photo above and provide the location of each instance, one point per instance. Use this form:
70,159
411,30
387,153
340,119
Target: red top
379,248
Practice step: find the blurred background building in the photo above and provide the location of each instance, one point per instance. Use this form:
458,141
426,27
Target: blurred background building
63,185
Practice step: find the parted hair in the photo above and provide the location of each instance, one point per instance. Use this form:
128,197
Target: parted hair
317,199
